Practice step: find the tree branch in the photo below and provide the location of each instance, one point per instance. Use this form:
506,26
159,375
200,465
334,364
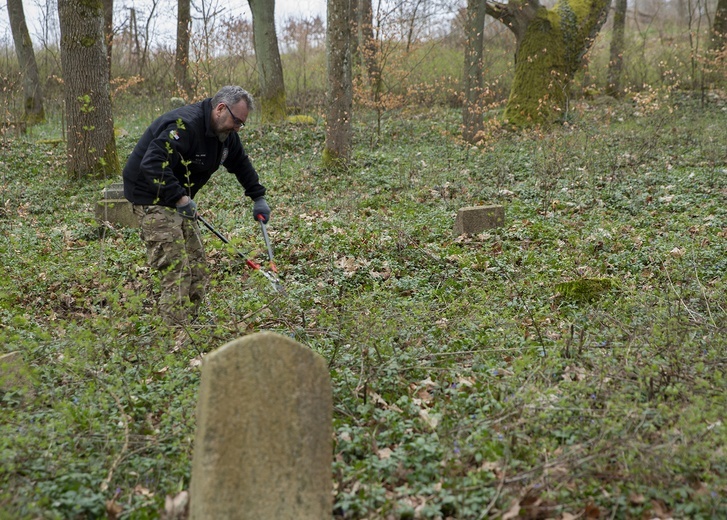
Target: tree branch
516,14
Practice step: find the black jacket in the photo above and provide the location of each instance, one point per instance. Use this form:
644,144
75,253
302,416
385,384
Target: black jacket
178,154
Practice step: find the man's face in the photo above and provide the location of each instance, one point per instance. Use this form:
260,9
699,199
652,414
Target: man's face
229,118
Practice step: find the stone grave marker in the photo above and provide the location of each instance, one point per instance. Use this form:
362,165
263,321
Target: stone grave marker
114,208
263,445
476,219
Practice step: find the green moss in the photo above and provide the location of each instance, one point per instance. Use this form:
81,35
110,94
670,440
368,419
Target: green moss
585,289
332,160
88,41
301,120
274,108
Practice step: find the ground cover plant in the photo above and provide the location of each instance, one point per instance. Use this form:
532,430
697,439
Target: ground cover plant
569,363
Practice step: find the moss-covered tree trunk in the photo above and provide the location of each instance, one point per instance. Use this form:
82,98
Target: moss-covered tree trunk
90,124
340,89
551,44
473,79
267,56
33,111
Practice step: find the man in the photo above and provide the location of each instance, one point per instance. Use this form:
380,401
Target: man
171,162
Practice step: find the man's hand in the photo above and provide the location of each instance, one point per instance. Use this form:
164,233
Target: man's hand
261,209
187,208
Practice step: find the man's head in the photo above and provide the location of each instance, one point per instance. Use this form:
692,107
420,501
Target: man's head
230,108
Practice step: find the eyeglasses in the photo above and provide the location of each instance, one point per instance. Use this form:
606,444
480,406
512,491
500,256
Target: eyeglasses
235,119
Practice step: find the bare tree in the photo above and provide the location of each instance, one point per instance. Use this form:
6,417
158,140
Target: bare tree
181,58
473,81
269,65
368,46
340,89
33,111
91,145
615,63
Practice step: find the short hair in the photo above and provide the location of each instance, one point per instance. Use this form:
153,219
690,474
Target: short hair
231,95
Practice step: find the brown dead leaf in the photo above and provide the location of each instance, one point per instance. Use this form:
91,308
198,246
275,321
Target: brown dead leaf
141,490
431,420
384,453
592,512
113,509
637,498
513,512
176,507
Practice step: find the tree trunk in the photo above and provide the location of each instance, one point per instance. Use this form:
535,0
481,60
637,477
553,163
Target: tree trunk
368,46
340,90
33,111
551,44
90,124
181,58
473,82
615,64
267,56
719,27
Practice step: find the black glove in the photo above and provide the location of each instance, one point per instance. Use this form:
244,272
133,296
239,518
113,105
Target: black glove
189,210
261,208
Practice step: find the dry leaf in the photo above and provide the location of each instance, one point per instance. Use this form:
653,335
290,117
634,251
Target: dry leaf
175,508
384,453
513,512
141,490
113,509
432,420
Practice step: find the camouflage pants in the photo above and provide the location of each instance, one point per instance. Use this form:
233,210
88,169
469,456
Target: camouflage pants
174,247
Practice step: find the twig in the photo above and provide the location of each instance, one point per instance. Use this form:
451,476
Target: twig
124,448
492,503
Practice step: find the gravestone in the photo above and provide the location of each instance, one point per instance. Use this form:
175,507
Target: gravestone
475,219
114,208
263,445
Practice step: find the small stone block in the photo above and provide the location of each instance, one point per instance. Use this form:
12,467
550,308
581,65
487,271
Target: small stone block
475,219
114,191
263,445
119,212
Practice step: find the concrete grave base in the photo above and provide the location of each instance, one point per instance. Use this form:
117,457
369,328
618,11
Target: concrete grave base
115,209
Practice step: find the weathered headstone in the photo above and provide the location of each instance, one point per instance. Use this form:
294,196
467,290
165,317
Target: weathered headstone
475,219
263,447
114,208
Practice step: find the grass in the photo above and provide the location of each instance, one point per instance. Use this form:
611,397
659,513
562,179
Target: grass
466,385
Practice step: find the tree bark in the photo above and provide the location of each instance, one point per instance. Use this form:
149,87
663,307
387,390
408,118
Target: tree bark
91,145
551,44
108,30
615,64
473,81
181,58
340,90
369,48
33,111
267,56
719,27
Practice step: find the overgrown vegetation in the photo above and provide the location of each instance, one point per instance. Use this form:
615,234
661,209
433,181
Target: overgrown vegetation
466,384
